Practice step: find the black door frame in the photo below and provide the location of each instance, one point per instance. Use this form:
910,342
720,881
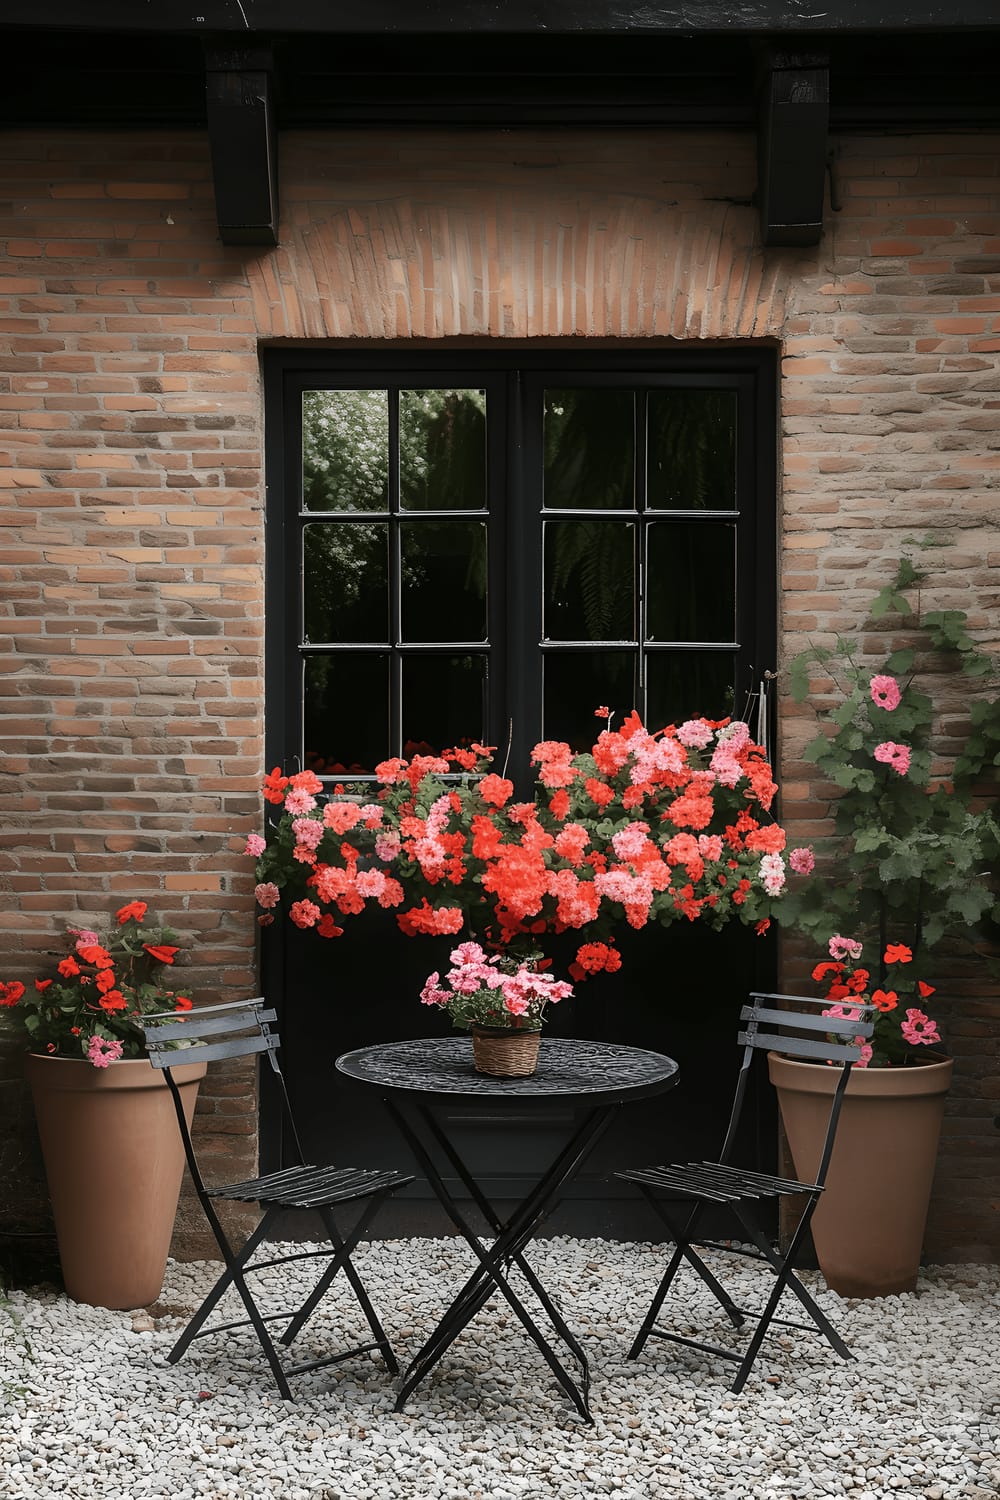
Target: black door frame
288,370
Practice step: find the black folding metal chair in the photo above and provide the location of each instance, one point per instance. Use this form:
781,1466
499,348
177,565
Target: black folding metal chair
697,1187
240,1030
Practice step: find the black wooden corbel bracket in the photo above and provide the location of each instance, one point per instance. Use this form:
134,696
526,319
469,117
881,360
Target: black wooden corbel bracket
792,130
243,142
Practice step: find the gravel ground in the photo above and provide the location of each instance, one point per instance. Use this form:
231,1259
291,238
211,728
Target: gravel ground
89,1406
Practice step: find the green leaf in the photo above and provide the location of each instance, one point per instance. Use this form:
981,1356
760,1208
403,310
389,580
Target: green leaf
885,601
798,677
977,666
867,840
817,749
970,904
907,574
845,713
901,661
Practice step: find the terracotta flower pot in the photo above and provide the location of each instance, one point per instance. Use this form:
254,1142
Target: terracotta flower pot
868,1227
114,1161
503,1052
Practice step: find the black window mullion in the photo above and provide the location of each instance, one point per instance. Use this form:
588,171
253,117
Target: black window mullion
395,581
642,523
523,584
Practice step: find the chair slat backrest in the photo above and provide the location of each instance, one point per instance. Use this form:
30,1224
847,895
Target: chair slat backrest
857,1021
244,1021
774,1023
210,1033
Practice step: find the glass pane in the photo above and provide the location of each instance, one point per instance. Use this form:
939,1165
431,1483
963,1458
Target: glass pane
444,701
346,713
687,685
442,450
692,450
345,581
345,450
577,683
444,580
589,449
691,582
589,591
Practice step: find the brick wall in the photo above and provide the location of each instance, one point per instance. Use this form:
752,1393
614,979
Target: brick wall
131,450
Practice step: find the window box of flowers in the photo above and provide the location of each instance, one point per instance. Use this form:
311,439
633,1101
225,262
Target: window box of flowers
645,829
900,893
109,1138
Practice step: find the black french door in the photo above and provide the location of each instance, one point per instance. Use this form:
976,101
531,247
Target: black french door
489,547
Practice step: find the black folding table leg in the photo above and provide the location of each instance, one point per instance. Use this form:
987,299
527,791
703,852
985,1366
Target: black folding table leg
499,1227
508,1245
479,1289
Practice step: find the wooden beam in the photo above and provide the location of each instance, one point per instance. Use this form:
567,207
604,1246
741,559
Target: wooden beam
522,17
243,142
792,141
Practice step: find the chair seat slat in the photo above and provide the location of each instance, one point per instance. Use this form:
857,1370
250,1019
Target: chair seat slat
308,1187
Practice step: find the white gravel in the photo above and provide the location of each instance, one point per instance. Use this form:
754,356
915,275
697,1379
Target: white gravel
89,1406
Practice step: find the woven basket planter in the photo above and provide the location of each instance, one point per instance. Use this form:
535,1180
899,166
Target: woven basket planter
505,1053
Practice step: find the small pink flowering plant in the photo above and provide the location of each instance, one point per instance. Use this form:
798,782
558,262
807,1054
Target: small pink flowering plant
916,846
499,990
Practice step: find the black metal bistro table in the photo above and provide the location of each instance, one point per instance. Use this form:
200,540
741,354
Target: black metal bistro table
418,1079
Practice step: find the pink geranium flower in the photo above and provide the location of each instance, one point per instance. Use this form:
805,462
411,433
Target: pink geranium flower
896,756
102,1052
919,1028
802,861
841,947
885,692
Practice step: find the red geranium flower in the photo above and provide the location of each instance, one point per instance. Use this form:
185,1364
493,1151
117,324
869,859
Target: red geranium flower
134,909
162,952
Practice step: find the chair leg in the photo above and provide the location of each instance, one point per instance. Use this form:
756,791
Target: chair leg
234,1263
233,1276
343,1248
784,1266
682,1251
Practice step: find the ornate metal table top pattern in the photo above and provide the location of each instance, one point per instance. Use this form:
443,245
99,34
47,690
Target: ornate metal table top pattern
567,1069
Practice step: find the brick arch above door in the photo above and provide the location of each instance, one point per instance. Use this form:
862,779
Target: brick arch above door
627,235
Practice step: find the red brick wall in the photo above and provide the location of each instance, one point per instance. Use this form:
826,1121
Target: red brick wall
131,446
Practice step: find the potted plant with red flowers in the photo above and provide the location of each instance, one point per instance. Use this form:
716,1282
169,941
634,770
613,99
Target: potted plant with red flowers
109,1137
898,900
644,829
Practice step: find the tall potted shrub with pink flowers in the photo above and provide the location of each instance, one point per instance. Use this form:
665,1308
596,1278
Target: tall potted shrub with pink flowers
112,1151
898,901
